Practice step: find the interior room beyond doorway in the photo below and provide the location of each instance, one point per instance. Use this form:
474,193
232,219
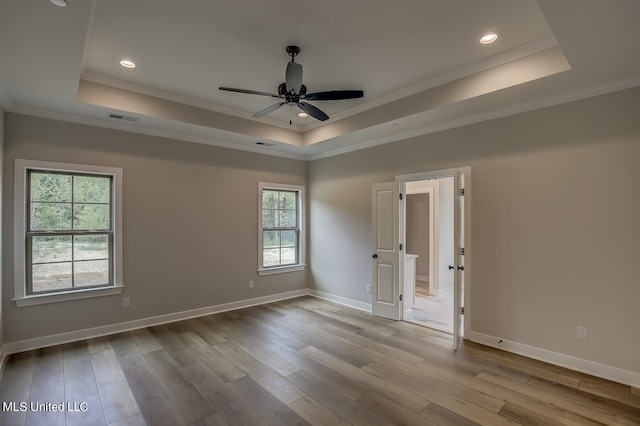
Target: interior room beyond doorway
429,225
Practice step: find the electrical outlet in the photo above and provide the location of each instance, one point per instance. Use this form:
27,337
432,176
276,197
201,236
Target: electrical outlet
251,284
583,333
369,288
126,302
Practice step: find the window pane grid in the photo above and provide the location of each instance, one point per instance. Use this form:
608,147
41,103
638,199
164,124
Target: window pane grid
61,202
65,250
74,272
280,227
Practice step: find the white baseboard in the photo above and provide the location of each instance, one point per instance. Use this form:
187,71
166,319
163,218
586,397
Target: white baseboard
89,333
577,364
341,300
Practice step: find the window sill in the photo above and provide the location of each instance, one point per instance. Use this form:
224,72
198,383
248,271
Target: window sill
67,295
281,270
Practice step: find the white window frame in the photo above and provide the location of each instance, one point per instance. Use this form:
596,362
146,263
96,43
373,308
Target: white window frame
21,167
300,266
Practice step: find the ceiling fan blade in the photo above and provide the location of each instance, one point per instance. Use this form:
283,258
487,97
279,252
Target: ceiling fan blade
316,113
335,95
293,77
249,92
269,109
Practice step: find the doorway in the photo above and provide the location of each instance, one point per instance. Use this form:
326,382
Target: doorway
392,270
428,283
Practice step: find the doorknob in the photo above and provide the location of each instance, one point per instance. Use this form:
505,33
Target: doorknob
460,268
451,267
375,255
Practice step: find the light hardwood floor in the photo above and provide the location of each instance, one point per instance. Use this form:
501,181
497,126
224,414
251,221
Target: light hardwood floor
296,362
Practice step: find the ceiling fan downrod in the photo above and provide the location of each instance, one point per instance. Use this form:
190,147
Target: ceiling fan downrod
293,51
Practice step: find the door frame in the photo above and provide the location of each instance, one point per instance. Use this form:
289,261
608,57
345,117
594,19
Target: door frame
401,181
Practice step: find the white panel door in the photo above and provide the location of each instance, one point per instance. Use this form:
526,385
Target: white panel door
385,275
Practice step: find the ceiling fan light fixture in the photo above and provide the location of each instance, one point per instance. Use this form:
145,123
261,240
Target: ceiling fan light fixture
303,115
489,38
128,64
59,3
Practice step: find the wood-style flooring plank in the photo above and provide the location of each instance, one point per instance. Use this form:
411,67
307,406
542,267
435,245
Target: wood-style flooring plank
262,374
425,370
205,333
15,386
85,410
391,411
533,367
586,410
392,391
155,405
79,380
382,348
47,387
439,396
323,340
167,371
228,404
608,389
265,356
115,394
213,359
525,417
267,406
618,406
126,351
443,417
145,340
315,413
326,375
338,403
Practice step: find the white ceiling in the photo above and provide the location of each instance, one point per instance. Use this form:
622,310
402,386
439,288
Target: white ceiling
418,62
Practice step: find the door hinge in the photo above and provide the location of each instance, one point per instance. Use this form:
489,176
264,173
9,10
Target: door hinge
400,194
400,247
401,298
462,251
462,192
462,310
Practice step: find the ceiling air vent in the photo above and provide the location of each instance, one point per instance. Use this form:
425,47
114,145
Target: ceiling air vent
124,117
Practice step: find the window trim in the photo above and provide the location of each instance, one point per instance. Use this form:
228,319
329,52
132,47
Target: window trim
21,297
301,265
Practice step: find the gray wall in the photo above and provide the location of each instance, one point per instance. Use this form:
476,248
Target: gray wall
190,223
555,226
417,223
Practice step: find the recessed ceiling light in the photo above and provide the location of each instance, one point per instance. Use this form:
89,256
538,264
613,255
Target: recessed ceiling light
127,63
61,3
489,38
303,114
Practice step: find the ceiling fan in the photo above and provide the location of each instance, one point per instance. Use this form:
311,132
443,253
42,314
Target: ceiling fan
293,92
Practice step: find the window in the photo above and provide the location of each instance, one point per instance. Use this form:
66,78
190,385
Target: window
70,231
281,233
